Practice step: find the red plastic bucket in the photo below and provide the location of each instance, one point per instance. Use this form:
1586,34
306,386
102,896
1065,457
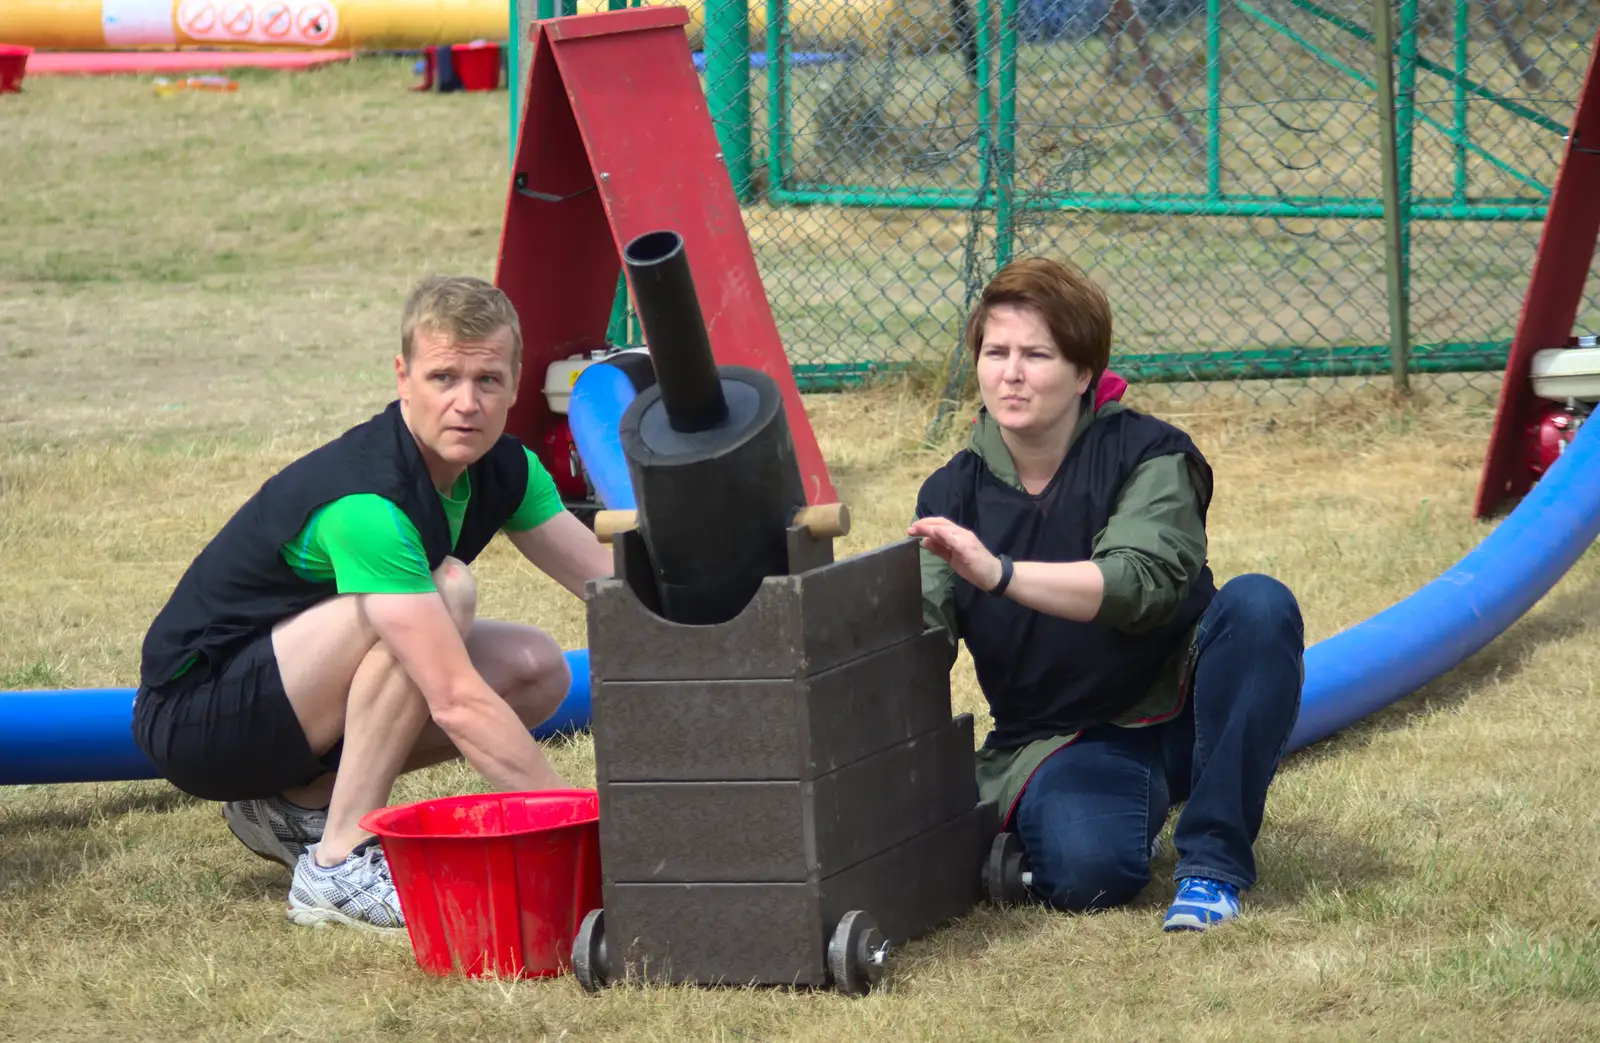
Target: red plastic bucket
477,65
495,883
13,66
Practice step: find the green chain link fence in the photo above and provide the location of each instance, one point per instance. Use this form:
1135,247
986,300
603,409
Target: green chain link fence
1218,165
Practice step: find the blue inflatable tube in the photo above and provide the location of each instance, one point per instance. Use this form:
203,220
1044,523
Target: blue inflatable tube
1402,648
86,735
594,413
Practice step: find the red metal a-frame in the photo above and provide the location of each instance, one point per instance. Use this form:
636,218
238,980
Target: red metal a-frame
616,140
1560,271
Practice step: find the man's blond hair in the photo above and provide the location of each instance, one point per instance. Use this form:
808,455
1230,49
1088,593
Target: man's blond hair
466,308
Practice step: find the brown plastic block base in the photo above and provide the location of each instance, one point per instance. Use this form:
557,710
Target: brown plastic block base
795,626
786,831
777,933
693,731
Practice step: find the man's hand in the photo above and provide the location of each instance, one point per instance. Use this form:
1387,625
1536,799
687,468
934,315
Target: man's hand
564,549
960,547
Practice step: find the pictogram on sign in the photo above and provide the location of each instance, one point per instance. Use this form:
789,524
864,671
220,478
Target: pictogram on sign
291,23
315,23
238,17
198,19
277,20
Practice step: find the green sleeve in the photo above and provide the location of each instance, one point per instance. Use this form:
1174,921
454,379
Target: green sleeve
939,595
368,545
540,503
938,580
1153,547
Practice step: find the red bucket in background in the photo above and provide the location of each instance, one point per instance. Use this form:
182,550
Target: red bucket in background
13,66
494,883
477,65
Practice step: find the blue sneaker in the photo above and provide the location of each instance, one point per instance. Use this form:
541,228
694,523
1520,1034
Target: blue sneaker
1201,903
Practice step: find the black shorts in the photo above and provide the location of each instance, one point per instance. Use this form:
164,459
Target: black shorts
228,732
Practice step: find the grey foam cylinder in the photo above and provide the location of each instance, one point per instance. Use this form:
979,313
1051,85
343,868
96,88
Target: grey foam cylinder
714,505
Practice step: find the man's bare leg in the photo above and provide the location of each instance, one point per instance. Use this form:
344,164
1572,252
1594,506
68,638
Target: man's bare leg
379,712
318,652
385,722
523,663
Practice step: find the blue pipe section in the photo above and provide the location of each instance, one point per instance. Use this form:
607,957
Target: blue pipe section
594,413
86,735
1402,648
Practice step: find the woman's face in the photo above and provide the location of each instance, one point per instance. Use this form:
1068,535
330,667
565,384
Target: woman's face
1028,386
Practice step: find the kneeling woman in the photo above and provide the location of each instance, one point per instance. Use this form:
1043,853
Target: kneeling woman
1067,546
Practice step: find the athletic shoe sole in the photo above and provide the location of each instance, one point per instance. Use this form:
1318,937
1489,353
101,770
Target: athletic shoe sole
260,839
324,919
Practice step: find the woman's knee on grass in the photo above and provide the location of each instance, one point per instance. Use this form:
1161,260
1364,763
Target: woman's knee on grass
1257,607
1077,873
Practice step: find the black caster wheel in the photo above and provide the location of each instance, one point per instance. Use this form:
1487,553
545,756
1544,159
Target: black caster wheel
857,953
1003,882
589,952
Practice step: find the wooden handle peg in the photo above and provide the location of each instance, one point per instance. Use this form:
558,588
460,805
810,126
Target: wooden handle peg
608,523
825,520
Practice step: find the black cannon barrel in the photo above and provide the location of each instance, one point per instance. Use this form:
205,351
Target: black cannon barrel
675,330
709,452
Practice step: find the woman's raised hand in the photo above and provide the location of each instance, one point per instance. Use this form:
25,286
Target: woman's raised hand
960,547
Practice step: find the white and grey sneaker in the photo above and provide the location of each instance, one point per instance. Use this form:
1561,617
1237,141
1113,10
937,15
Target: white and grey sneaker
357,892
273,828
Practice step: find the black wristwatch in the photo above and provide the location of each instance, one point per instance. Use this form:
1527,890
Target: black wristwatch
1006,568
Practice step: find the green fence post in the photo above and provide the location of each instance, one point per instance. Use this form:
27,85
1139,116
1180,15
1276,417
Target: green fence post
777,93
1405,42
1214,99
985,113
1393,216
1006,171
728,86
1462,31
513,75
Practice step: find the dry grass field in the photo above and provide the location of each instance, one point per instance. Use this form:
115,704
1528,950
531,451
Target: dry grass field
195,290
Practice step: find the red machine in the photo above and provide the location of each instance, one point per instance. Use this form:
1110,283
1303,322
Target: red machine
1567,380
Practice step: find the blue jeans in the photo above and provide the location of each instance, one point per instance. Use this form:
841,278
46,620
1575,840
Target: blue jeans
1090,812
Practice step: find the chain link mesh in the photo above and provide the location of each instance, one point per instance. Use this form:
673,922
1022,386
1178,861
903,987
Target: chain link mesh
1215,164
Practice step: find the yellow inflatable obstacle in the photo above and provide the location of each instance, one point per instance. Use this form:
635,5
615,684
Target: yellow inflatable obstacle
88,25
92,25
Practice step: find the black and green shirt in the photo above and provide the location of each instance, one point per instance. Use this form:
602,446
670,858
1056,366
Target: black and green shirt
359,514
364,543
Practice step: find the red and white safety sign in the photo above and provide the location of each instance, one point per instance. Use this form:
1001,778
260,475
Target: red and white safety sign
287,23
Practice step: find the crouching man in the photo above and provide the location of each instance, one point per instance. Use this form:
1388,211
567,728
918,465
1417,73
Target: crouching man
326,640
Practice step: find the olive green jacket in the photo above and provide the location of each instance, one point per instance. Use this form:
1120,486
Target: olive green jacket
1149,553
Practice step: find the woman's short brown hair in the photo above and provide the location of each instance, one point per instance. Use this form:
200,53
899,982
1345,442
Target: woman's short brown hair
1076,311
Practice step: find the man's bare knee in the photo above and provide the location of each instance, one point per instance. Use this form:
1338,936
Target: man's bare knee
540,677
459,589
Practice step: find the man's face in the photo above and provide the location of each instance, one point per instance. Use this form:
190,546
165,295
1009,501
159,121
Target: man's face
456,394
